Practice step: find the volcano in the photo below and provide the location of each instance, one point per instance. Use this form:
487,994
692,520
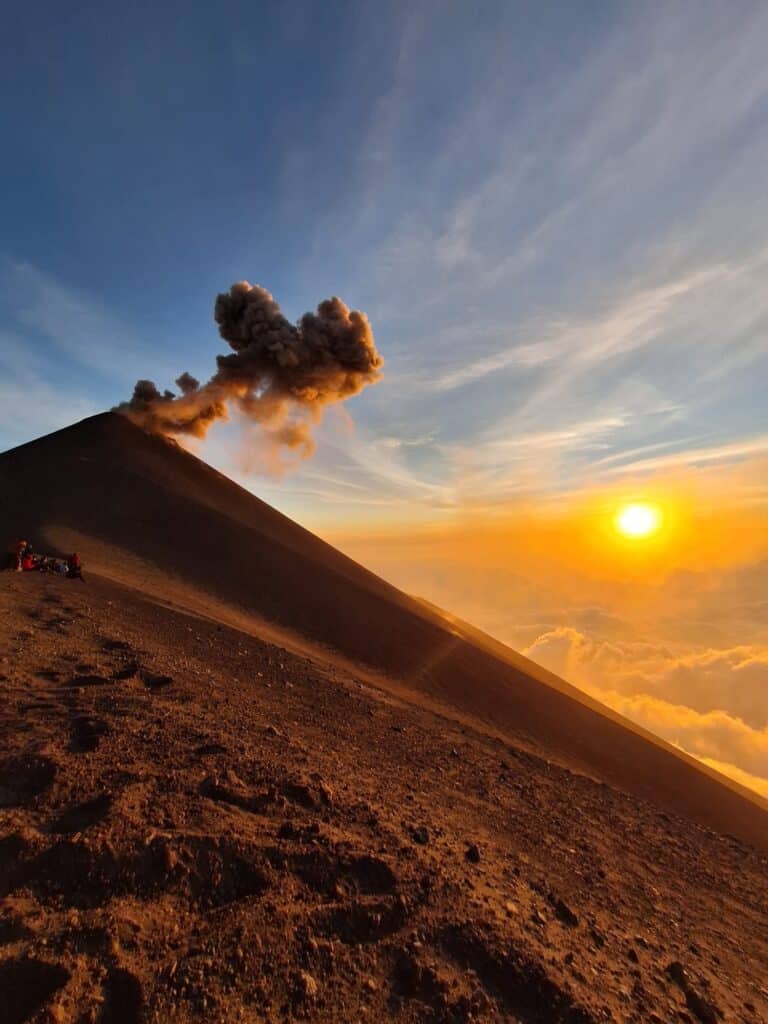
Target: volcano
246,779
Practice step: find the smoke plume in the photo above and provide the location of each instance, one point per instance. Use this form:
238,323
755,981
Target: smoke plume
279,375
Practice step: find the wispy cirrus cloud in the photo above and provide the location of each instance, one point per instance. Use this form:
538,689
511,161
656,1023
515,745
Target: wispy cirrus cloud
630,322
692,456
64,355
31,404
598,240
78,326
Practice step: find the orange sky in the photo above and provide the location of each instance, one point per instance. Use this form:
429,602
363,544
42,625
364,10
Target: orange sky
671,630
707,520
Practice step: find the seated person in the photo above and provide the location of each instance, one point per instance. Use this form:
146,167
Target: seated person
74,567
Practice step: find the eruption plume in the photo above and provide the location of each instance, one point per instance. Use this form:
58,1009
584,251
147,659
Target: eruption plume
279,375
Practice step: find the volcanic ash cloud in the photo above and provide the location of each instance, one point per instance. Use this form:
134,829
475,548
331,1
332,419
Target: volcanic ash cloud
279,375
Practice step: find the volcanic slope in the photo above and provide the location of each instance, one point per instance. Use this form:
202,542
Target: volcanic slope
146,512
200,826
217,805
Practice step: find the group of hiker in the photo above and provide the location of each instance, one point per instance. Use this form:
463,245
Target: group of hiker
22,558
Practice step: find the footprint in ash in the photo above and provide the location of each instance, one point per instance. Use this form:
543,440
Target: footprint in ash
83,815
124,1001
86,734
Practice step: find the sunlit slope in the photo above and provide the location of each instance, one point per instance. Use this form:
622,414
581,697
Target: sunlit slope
142,507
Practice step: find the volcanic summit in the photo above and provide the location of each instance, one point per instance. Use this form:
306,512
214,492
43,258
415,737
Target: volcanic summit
245,779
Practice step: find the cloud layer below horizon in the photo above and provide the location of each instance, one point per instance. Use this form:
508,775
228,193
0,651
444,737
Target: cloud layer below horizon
681,649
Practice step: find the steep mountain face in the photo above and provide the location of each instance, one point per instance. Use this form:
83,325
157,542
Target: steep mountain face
145,512
243,779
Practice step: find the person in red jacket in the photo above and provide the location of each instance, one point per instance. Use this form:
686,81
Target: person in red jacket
74,567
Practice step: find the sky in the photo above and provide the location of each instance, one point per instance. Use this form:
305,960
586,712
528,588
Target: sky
555,217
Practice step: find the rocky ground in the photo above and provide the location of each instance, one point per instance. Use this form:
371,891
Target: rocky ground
197,825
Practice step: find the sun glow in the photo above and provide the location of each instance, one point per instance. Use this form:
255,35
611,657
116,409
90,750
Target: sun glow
639,520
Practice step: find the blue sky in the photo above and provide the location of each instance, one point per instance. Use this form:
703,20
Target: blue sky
555,216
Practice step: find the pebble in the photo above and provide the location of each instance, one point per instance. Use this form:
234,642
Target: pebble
307,986
564,912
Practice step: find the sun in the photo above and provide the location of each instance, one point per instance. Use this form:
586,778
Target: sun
638,520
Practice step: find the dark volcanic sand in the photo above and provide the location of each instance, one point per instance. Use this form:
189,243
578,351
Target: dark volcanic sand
197,825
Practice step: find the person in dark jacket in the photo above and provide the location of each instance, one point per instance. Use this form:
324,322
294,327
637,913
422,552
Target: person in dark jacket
15,555
74,567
